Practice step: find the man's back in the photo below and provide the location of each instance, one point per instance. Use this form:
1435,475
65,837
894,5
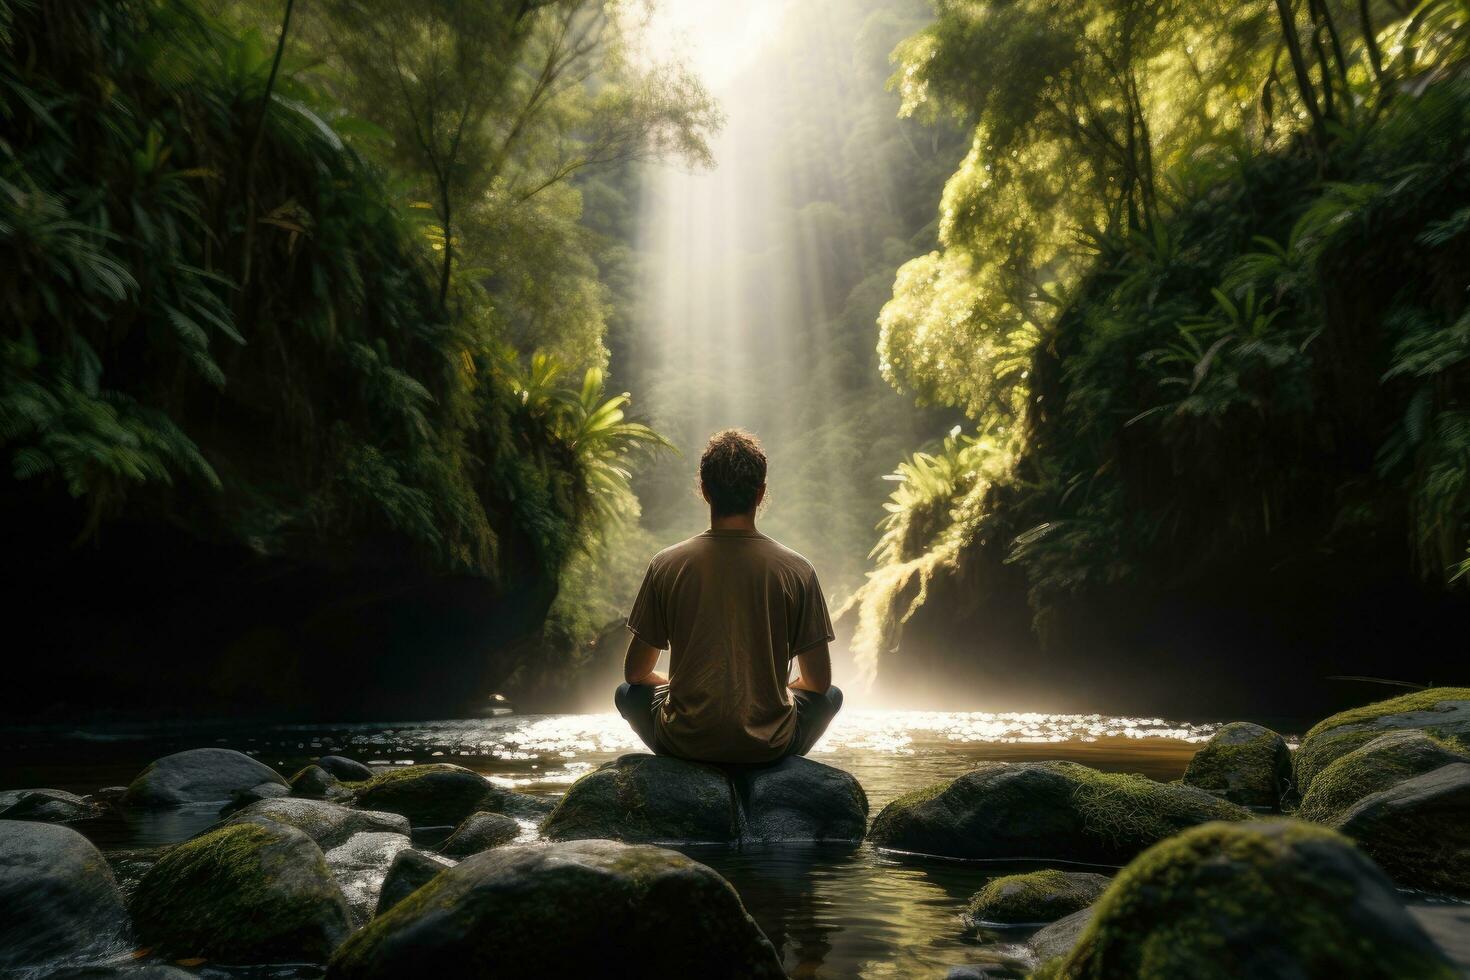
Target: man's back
734,607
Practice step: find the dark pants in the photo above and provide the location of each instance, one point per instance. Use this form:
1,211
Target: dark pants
814,712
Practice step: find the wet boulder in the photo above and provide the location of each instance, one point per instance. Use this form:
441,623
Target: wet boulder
360,865
800,800
46,806
1266,899
198,776
328,824
1418,830
583,908
1060,938
648,799
480,832
1377,766
315,783
436,795
1440,711
1057,811
243,893
58,897
1038,896
410,871
1245,764
243,798
346,770
522,806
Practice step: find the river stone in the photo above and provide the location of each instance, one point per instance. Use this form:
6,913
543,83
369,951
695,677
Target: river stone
244,893
198,776
1038,896
1449,926
1060,938
565,910
345,769
435,795
1058,811
1377,766
800,800
1245,764
410,871
359,867
647,799
245,797
328,824
1440,711
58,897
480,832
46,806
521,805
1419,830
315,783
1266,899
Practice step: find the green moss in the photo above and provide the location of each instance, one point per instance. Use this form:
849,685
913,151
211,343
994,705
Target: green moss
436,793
241,893
897,808
1133,811
1375,767
1243,763
1339,734
1039,896
1221,900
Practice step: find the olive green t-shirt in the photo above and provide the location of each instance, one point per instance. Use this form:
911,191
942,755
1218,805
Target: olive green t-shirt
732,607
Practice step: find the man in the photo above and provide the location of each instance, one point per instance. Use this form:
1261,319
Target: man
734,608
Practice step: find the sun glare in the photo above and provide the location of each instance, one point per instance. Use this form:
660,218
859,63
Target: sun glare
717,38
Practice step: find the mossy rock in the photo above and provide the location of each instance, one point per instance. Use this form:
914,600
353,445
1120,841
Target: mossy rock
1058,811
436,795
58,898
1267,899
1243,763
410,871
798,799
565,910
1419,830
648,799
1377,766
1440,711
480,832
46,806
328,824
1038,896
244,893
211,775
315,783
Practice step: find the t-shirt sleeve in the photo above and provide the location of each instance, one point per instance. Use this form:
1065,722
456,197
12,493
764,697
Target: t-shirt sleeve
647,620
812,623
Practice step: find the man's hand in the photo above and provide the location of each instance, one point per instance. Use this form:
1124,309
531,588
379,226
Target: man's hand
815,663
639,664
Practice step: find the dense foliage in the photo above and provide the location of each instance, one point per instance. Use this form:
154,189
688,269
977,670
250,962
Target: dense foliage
1201,290
219,312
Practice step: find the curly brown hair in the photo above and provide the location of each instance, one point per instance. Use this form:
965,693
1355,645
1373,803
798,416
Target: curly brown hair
732,471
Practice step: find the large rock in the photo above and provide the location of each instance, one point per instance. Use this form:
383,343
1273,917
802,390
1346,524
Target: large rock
1057,811
1245,764
243,893
480,832
345,769
657,799
1060,938
410,871
360,866
648,799
437,795
1419,830
522,806
586,908
328,824
800,800
46,806
1440,711
1375,767
58,897
198,776
1266,899
1038,896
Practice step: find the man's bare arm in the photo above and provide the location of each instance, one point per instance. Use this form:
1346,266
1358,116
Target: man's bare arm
815,663
639,664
